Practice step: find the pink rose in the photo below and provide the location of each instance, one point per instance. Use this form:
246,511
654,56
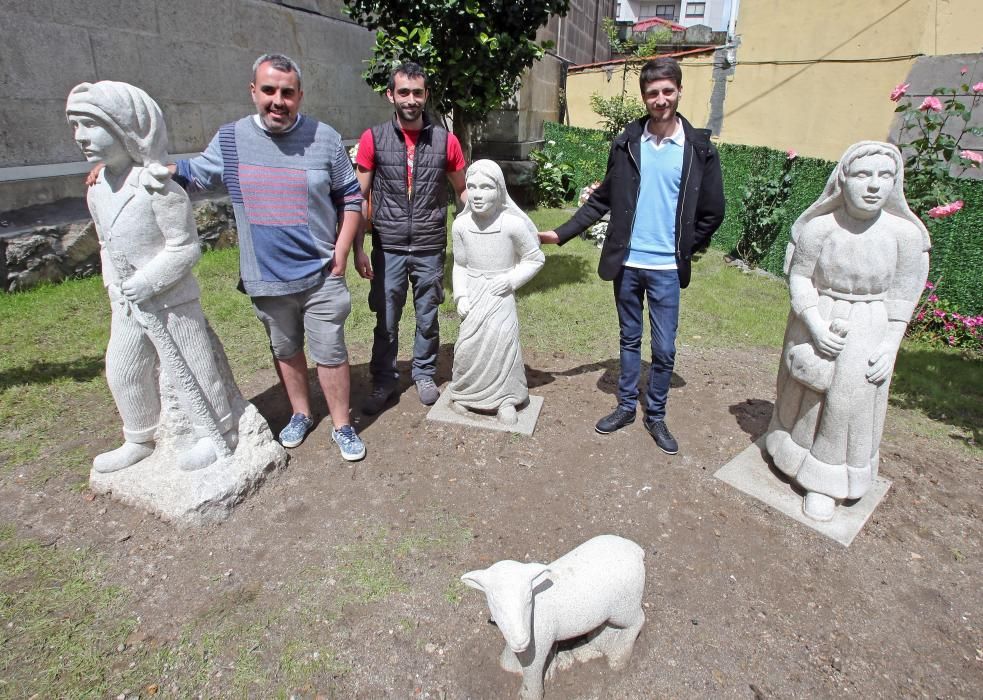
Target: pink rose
944,210
978,87
933,298
898,92
977,158
929,285
792,154
964,70
931,103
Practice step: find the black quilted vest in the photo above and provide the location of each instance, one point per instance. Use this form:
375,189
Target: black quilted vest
399,224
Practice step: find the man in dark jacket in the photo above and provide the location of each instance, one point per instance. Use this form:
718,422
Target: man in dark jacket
402,165
665,193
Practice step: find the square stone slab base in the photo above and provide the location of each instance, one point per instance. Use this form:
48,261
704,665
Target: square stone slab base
442,412
208,495
752,473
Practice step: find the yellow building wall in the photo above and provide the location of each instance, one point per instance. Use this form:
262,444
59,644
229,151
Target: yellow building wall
695,103
782,95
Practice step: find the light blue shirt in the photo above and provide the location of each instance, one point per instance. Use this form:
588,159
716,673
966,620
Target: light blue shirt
653,236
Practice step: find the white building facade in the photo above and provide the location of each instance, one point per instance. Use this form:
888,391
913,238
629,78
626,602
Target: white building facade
712,13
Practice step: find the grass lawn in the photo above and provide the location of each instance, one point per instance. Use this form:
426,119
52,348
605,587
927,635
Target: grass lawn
52,384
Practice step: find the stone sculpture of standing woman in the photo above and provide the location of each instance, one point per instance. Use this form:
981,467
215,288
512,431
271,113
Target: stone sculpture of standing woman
496,251
856,266
149,244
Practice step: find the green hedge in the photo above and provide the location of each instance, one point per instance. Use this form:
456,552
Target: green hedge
585,149
957,242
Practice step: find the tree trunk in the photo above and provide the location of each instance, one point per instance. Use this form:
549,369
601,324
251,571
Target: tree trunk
463,131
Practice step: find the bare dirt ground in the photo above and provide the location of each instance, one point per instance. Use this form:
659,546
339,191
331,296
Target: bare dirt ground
360,563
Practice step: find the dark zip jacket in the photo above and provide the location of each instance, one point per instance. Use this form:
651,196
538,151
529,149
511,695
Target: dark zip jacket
400,224
699,210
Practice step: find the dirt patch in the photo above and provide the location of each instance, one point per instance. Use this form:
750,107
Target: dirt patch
342,580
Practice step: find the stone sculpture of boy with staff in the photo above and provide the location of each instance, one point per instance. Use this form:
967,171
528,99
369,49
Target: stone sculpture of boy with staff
149,244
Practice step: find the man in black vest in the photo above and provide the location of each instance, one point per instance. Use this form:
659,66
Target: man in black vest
403,163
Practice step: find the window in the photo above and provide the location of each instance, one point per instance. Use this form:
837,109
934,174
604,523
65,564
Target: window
665,12
696,9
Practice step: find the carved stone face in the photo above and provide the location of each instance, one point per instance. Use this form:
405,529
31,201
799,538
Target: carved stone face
869,182
98,143
483,194
277,97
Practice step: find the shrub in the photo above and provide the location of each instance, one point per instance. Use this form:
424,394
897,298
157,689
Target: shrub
936,322
553,172
932,152
763,211
616,112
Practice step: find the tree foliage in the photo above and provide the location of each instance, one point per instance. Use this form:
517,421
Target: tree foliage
473,50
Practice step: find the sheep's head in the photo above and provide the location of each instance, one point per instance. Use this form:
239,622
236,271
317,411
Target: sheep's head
508,587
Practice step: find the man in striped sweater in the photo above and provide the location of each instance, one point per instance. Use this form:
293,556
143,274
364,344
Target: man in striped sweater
297,207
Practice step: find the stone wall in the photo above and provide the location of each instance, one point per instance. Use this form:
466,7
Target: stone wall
70,249
193,57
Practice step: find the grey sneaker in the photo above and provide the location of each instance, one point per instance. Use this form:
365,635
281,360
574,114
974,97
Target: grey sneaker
428,391
351,445
296,430
378,398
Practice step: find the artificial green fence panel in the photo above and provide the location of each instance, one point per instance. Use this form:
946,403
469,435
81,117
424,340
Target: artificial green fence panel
585,149
957,242
739,163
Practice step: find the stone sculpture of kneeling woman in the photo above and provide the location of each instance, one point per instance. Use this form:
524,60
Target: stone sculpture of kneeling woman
496,251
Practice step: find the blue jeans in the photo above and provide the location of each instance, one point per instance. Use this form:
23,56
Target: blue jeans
631,286
393,274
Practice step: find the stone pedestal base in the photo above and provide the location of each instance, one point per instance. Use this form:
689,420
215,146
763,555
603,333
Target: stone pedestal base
442,412
208,495
752,473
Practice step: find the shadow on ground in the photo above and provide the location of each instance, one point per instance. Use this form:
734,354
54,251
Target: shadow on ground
946,386
81,370
752,416
272,401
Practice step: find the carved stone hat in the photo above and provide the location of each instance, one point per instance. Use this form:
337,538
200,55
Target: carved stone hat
133,116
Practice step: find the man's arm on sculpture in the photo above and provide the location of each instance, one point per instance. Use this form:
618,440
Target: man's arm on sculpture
181,250
363,265
596,206
203,173
711,202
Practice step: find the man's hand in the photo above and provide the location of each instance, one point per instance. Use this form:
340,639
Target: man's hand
137,288
363,265
93,175
463,306
549,237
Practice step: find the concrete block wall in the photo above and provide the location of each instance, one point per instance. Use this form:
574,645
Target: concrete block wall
193,57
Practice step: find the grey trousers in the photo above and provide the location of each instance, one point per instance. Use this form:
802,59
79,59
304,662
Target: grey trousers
394,272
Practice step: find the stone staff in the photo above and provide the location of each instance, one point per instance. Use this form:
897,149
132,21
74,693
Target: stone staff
170,355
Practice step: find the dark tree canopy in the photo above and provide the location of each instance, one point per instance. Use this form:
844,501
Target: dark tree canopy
474,52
